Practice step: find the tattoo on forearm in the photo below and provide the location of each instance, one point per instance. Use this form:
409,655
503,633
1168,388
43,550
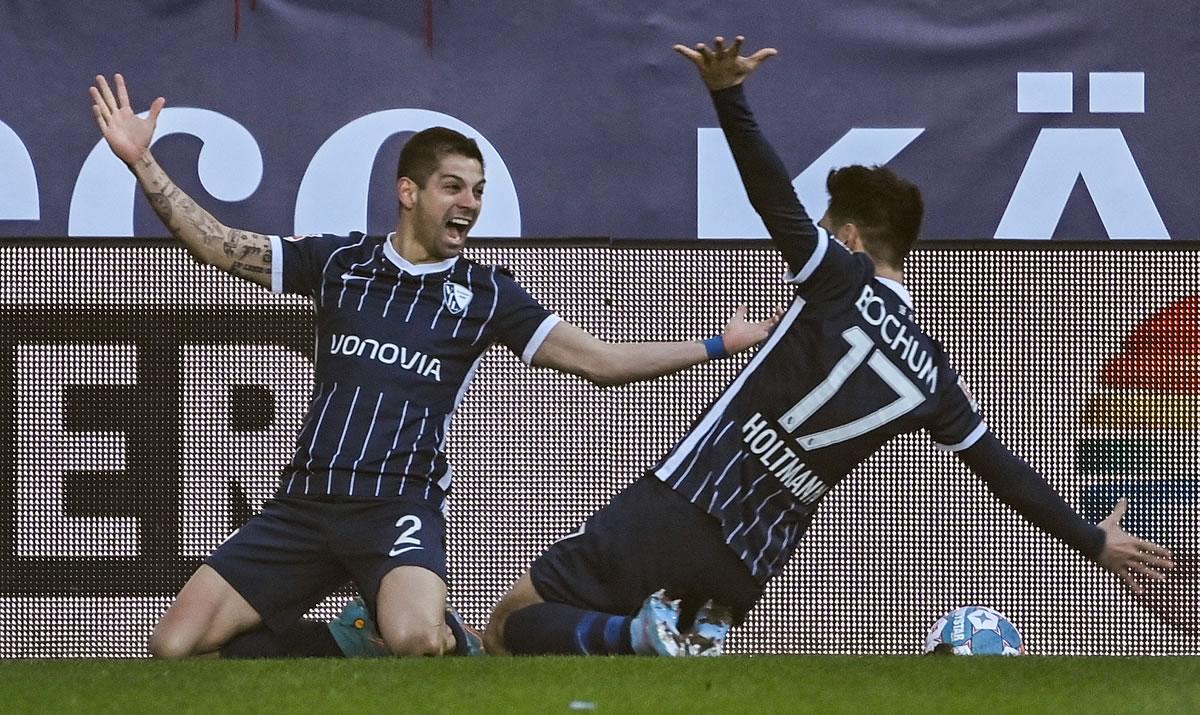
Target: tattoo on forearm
162,206
246,254
178,212
249,270
238,244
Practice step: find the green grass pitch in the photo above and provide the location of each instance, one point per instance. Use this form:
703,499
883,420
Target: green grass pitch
733,684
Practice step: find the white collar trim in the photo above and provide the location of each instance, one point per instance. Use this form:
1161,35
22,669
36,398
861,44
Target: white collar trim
416,269
897,288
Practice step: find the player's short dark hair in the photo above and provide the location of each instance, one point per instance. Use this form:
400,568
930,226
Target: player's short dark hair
423,152
886,209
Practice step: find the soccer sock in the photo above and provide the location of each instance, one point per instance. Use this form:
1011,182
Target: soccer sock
258,643
546,628
311,639
303,639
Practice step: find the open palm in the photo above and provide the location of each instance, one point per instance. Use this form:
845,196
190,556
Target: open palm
126,133
1128,556
722,66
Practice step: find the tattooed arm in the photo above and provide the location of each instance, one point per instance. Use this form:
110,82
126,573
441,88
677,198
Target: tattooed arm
242,253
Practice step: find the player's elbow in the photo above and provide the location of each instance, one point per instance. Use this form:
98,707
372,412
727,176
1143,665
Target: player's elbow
600,366
606,379
603,371
600,363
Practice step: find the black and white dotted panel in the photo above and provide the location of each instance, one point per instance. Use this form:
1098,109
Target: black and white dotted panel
149,404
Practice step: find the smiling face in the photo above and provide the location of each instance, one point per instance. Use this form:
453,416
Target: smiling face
435,218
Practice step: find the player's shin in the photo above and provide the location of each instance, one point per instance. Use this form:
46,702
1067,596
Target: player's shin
556,628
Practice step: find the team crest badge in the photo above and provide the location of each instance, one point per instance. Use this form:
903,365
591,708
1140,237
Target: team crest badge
456,298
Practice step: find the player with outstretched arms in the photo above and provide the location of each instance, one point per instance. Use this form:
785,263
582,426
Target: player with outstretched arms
847,369
402,322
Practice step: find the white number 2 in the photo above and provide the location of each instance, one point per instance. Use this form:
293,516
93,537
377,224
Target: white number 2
910,396
406,541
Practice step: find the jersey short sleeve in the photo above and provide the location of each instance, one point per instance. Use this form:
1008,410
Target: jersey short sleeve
298,262
520,322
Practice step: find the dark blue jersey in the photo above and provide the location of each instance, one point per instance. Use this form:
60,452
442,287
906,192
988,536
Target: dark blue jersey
847,368
397,344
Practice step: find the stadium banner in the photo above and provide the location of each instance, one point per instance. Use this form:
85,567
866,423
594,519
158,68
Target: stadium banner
148,405
1019,119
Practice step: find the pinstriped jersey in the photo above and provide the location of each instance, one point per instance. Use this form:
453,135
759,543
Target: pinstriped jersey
846,369
397,345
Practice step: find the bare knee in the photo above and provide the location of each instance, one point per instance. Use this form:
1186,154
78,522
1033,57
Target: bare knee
493,636
408,640
411,612
206,613
521,595
170,643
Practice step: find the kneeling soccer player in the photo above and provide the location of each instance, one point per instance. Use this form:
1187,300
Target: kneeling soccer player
847,368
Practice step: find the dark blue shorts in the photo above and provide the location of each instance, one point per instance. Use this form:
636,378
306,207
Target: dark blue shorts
298,551
648,537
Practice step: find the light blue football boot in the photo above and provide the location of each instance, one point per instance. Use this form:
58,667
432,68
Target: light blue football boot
655,628
707,635
356,633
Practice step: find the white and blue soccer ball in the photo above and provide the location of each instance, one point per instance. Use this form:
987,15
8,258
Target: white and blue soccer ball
974,630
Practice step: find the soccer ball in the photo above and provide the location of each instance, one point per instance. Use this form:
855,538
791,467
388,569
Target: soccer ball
974,630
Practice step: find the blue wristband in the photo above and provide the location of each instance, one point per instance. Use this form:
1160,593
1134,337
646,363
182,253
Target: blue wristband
715,347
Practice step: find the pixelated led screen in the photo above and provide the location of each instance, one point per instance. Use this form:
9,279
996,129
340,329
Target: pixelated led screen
149,404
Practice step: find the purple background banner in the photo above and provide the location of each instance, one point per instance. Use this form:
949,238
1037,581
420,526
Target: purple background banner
1018,119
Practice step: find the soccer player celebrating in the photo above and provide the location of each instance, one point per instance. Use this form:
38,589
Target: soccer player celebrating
847,368
402,322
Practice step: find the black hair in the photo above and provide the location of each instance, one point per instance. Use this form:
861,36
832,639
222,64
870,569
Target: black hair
423,153
886,209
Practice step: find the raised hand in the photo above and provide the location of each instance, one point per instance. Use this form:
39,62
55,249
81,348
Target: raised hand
721,66
741,334
126,133
1128,556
